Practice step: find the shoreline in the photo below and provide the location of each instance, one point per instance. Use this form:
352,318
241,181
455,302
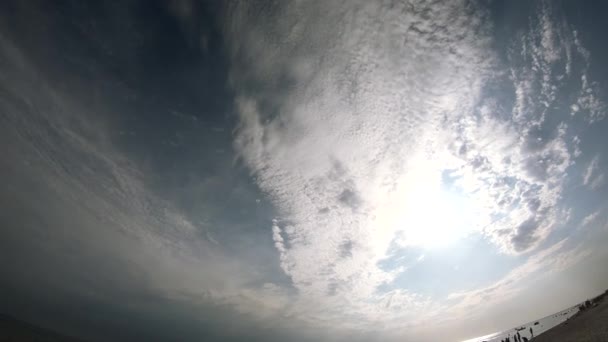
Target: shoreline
582,322
587,325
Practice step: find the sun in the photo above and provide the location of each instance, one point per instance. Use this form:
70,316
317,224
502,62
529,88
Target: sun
429,213
437,217
424,210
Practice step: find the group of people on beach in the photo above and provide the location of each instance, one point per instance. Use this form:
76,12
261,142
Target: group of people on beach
518,338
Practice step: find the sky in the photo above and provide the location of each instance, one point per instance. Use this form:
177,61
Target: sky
301,170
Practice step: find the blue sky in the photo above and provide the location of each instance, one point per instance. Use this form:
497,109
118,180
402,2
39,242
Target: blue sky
325,170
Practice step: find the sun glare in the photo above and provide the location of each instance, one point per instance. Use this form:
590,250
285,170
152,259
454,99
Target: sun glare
435,216
438,218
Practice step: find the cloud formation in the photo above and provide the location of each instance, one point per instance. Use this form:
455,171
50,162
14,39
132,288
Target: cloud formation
352,116
592,177
88,229
348,120
387,139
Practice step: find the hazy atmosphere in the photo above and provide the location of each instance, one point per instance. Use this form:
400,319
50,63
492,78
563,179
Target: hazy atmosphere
301,170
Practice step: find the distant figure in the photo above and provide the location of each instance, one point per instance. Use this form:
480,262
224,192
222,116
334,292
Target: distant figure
508,339
531,333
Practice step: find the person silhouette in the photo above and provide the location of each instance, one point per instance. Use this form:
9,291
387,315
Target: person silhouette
531,333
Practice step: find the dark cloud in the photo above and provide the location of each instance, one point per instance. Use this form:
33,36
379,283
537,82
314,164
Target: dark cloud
332,289
346,249
349,198
524,235
119,182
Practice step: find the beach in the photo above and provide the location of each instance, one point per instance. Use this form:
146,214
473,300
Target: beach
538,327
587,321
586,326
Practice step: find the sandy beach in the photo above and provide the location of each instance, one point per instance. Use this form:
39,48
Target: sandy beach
586,326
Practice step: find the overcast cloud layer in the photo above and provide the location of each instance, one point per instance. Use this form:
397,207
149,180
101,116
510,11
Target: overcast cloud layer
300,170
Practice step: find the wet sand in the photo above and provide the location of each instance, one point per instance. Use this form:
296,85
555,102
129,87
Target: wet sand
586,326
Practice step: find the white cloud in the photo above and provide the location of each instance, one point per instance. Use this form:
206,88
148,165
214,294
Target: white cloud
589,218
341,148
349,123
591,176
588,98
593,165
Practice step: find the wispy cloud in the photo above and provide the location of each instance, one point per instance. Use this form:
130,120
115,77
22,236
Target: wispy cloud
592,176
589,219
552,260
103,212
